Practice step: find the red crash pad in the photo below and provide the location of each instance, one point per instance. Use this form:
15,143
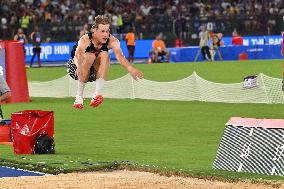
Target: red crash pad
27,126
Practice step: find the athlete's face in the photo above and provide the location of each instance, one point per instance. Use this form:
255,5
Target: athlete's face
102,33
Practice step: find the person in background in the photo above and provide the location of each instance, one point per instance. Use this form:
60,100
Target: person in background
178,42
216,40
84,30
20,36
159,49
237,39
5,93
119,23
114,23
25,21
36,41
203,43
130,42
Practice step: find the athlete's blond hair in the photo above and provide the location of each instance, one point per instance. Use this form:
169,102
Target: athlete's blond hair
101,19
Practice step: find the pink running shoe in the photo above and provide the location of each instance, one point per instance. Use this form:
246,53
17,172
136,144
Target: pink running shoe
97,100
78,103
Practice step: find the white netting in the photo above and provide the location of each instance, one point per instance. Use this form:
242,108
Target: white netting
269,89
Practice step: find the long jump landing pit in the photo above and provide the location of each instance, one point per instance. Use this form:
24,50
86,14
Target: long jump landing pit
122,180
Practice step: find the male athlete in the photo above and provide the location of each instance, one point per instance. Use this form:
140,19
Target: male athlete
91,60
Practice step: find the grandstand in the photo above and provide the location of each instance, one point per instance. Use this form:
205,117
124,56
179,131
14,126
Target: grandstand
61,20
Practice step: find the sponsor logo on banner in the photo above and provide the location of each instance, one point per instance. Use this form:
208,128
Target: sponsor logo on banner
61,52
256,40
51,51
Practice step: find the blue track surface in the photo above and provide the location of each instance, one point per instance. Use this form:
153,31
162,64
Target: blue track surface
11,172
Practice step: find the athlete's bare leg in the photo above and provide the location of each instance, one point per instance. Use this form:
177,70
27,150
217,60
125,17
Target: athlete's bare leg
83,77
88,61
102,64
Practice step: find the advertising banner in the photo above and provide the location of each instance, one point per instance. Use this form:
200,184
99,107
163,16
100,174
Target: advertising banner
60,52
257,47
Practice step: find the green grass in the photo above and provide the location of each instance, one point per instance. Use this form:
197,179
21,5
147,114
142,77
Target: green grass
167,136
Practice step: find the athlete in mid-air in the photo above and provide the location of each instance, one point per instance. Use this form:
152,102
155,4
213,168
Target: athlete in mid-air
91,60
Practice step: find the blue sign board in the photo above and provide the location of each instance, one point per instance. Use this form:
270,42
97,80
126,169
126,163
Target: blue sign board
188,54
56,52
257,47
256,40
142,48
51,52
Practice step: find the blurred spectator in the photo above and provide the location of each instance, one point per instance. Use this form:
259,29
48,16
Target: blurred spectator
20,36
203,43
13,24
5,94
119,23
237,39
63,19
215,42
128,21
130,42
36,39
114,23
178,42
139,23
84,30
145,8
5,91
159,50
24,21
4,27
216,39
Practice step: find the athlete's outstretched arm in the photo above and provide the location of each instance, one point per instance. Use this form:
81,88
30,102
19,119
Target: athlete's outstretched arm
135,73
